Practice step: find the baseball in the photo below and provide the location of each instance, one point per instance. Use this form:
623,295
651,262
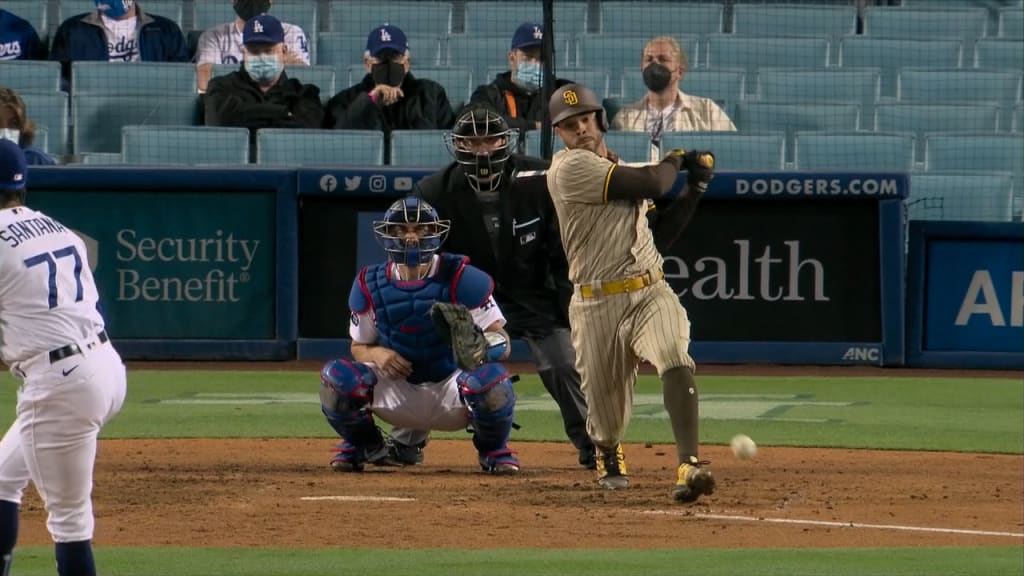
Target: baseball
743,447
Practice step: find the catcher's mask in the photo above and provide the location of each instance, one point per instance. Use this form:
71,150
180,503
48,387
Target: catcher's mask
411,232
480,141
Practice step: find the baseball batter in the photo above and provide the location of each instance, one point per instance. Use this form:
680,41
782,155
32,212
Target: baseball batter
72,380
622,311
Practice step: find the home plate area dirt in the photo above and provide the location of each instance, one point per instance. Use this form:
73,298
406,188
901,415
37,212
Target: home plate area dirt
281,493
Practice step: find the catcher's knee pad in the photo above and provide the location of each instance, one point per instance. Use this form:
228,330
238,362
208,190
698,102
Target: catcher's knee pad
491,399
346,391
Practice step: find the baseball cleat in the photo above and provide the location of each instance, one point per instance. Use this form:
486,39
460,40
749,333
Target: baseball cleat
348,458
588,457
500,462
692,481
404,454
611,469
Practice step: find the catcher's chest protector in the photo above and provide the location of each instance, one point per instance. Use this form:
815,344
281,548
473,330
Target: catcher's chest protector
403,318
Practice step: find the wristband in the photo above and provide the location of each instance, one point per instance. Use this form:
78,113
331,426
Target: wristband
373,97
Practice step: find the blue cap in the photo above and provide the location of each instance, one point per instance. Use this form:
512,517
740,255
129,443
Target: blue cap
386,37
528,35
13,168
263,29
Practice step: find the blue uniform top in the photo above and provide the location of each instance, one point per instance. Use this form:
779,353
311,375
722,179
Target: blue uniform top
402,310
18,39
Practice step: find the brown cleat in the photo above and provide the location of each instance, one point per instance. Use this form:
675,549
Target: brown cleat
692,481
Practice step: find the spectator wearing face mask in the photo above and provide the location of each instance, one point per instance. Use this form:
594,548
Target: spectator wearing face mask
260,94
118,31
389,97
16,127
666,108
18,39
516,94
222,44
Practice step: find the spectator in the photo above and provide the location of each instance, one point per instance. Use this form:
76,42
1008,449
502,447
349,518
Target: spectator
222,44
260,94
16,127
18,39
666,108
389,97
118,31
516,94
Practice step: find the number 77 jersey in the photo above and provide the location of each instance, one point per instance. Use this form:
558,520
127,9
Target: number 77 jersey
47,293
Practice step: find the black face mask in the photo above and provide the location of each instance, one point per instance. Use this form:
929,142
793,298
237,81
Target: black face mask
247,9
389,73
657,77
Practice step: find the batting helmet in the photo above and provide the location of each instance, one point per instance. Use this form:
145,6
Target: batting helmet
391,231
480,141
573,99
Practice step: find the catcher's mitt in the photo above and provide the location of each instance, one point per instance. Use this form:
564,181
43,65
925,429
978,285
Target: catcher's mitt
456,326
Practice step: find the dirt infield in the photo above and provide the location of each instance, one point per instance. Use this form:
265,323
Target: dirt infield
251,493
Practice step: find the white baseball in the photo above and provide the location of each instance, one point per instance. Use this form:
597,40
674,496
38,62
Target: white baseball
743,447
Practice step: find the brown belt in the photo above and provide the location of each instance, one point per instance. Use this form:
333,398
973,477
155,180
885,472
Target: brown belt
632,284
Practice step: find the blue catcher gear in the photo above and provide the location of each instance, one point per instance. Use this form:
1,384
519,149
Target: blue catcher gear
411,232
488,393
346,391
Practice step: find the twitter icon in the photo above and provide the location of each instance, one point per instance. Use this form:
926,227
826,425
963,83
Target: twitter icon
352,183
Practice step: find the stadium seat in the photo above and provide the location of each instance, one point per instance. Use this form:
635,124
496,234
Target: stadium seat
98,118
661,18
996,53
502,18
734,151
630,146
921,118
41,139
621,53
360,16
793,20
35,13
533,143
185,145
31,76
419,148
1011,23
926,23
172,9
856,85
312,147
301,13
971,152
717,84
597,79
344,50
760,117
457,81
963,86
750,54
855,152
51,110
96,78
945,196
1018,122
100,158
889,56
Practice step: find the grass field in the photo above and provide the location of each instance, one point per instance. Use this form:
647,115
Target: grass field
958,415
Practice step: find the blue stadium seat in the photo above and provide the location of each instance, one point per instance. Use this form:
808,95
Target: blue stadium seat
630,146
35,12
485,18
1018,123
95,78
734,151
794,20
997,53
51,110
101,158
790,118
621,53
926,23
419,148
718,84
312,147
344,50
1011,23
479,53
971,152
173,9
750,54
533,143
945,196
922,118
98,118
185,145
41,139
457,81
889,56
963,86
856,85
858,152
360,16
31,76
301,13
597,79
661,18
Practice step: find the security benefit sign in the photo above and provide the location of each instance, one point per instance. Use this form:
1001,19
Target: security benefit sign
182,265
974,295
786,271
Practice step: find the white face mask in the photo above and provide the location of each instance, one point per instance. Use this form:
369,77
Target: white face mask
10,134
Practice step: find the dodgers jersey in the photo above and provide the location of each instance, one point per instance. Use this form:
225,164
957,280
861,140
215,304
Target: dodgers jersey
47,293
222,44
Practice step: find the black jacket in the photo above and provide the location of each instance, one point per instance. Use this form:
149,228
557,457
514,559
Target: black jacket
236,100
424,106
529,107
530,271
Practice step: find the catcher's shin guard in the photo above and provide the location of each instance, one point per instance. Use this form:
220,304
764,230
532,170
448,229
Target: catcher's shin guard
346,391
488,393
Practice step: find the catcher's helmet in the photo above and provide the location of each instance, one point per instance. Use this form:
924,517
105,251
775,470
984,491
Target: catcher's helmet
480,141
573,99
393,235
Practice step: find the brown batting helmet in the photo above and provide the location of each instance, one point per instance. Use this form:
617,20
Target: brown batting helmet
573,99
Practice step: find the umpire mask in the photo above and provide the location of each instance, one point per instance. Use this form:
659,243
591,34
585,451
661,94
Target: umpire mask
480,142
247,9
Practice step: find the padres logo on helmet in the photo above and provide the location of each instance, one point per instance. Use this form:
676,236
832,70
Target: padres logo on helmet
570,98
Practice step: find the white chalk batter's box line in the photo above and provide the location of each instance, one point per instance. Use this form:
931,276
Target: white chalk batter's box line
799,522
